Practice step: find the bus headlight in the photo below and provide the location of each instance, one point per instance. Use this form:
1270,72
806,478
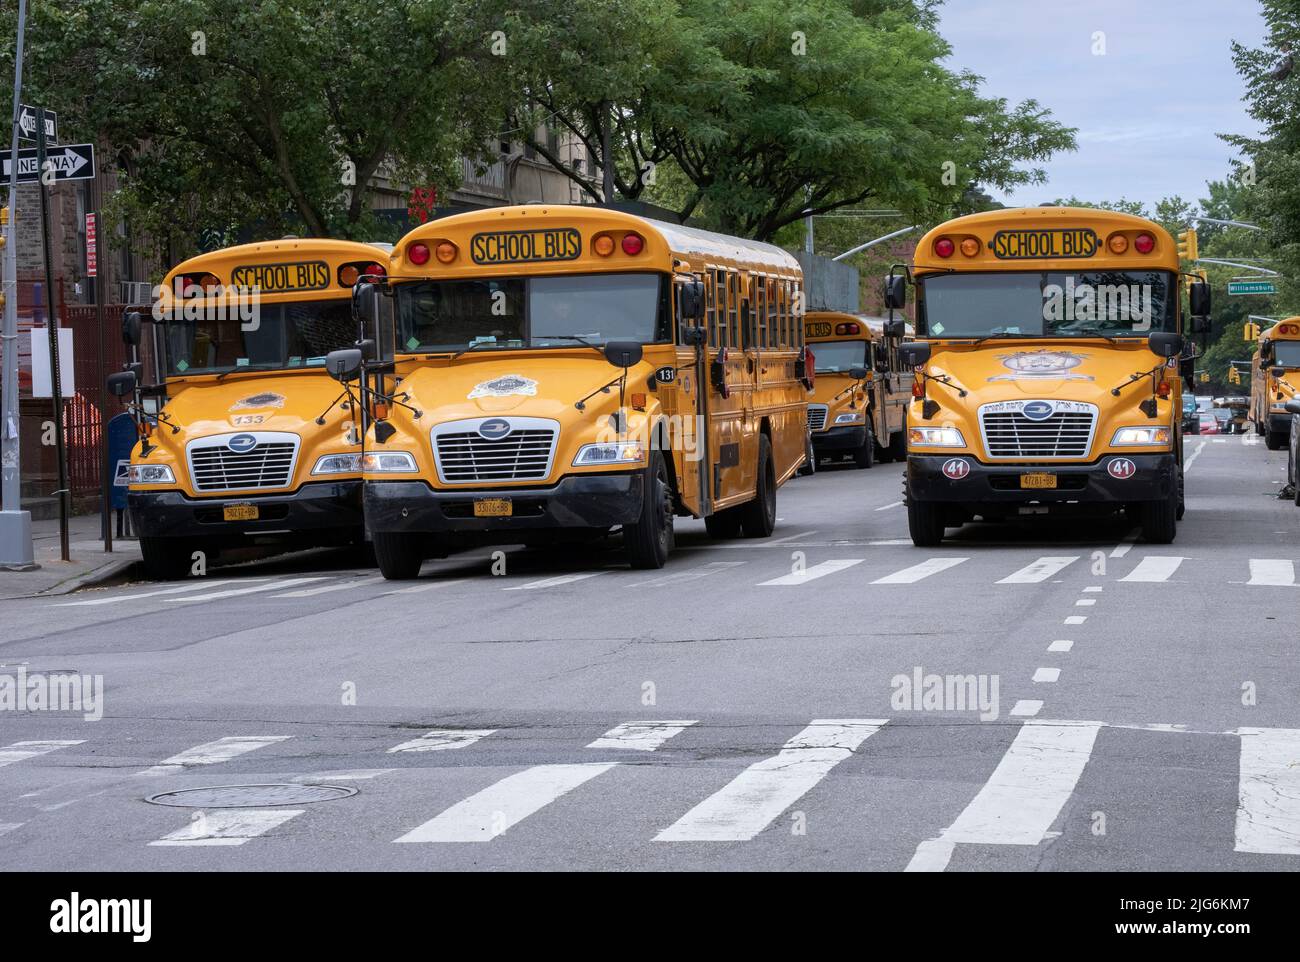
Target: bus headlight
1146,436
151,474
616,452
338,464
851,417
388,462
935,437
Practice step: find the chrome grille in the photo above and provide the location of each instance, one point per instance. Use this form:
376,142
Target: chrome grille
816,417
1009,434
466,457
269,464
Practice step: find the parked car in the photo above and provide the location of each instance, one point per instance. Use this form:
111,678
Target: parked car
1209,423
1293,458
1191,417
1225,421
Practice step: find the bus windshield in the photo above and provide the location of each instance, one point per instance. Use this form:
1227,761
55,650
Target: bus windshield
836,357
279,336
1286,353
1047,304
518,312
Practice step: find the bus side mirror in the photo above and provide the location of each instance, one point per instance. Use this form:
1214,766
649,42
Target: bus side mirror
914,353
363,302
1165,344
368,348
343,365
895,291
1278,371
690,300
895,328
1198,298
858,373
623,354
131,322
122,383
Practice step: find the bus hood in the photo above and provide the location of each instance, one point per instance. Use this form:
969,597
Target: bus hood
275,401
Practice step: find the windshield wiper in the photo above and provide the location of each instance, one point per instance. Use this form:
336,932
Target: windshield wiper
567,337
475,347
1088,332
1000,334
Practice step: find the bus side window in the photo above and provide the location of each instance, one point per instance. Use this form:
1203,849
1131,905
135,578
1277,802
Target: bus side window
718,337
759,310
796,318
733,310
711,306
783,295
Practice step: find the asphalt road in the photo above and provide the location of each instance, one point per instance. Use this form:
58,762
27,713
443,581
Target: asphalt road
743,708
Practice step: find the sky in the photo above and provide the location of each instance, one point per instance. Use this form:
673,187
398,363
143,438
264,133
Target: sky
1147,110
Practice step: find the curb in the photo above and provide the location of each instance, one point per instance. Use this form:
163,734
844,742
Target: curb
103,573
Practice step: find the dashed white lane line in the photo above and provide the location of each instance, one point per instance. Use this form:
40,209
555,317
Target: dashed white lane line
757,796
443,739
555,582
346,775
493,811
793,537
323,589
1026,708
916,573
1085,602
21,751
1094,588
643,736
7,827
229,826
1075,619
1060,644
1268,805
213,753
892,504
812,574
702,571
1039,570
1125,546
182,589
1047,675
1154,568
425,586
1024,795
1271,571
1187,465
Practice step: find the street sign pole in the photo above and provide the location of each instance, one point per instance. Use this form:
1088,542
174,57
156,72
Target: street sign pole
15,523
52,326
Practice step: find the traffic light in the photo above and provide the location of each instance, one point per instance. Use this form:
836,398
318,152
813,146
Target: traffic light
1250,332
1187,247
1204,377
1234,376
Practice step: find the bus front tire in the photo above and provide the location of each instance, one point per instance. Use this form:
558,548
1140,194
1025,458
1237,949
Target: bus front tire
167,559
925,523
898,444
1159,520
1275,440
649,541
398,554
758,517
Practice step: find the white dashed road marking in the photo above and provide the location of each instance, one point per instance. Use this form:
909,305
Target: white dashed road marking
341,586
229,826
1040,570
643,736
212,753
442,739
1154,568
813,573
917,572
21,751
1270,571
556,581
1268,806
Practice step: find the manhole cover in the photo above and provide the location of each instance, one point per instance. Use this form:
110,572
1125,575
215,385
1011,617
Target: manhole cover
251,796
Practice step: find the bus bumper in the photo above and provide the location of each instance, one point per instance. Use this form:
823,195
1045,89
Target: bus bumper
1152,478
578,501
319,512
848,438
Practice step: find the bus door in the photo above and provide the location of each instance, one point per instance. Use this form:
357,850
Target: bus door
730,392
685,397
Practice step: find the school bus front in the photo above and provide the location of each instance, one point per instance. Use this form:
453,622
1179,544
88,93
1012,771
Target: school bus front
567,371
1048,371
252,441
1276,381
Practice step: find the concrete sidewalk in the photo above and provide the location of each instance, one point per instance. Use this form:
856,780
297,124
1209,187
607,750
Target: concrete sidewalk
89,563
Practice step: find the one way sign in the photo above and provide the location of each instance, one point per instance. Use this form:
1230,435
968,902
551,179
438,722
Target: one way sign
27,123
69,162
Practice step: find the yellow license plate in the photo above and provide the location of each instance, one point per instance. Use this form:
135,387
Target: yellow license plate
239,512
493,508
1038,480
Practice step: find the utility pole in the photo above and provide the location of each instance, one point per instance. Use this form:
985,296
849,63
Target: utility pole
607,189
15,524
52,326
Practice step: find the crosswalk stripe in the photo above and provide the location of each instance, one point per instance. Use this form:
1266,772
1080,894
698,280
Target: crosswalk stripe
504,804
1040,570
229,826
341,586
442,739
20,751
703,571
643,736
425,586
1268,800
758,795
556,581
235,592
118,599
1026,708
7,827
213,753
813,573
346,775
1270,571
917,572
1024,795
1154,568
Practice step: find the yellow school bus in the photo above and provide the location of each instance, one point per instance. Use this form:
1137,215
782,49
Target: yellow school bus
1276,381
1049,361
246,439
568,370
859,401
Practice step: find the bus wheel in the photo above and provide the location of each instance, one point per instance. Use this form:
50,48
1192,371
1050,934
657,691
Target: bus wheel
1182,497
809,466
167,559
865,456
650,540
1275,440
898,444
399,555
925,523
1159,519
758,517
